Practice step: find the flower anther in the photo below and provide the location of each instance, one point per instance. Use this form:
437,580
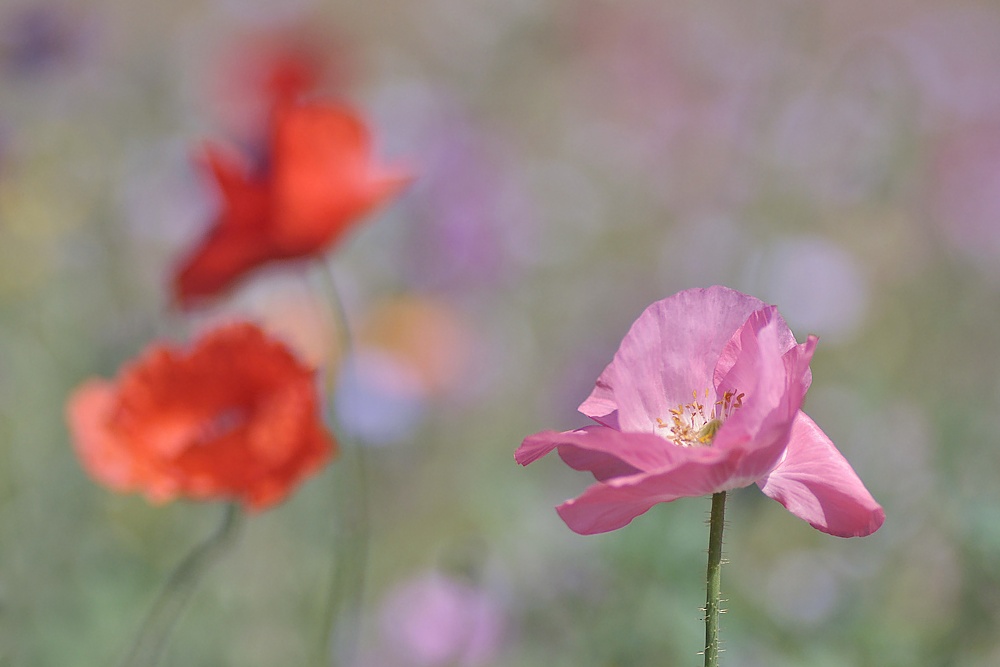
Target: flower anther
691,426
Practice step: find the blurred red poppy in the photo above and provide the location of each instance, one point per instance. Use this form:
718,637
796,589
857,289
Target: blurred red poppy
320,181
250,72
235,418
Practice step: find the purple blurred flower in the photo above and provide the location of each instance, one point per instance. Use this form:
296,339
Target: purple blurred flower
39,38
473,202
379,398
436,620
473,217
674,94
952,53
820,285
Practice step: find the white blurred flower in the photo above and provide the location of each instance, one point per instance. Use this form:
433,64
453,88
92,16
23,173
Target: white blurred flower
819,286
379,398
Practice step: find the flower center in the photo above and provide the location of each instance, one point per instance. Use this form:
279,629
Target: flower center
692,426
224,423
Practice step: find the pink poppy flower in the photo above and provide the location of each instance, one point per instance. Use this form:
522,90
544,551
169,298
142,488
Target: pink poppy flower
703,396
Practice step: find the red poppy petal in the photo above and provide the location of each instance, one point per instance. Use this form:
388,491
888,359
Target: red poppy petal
224,256
324,177
103,455
235,417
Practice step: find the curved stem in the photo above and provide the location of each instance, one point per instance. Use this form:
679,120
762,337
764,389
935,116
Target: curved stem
342,613
183,581
342,610
714,595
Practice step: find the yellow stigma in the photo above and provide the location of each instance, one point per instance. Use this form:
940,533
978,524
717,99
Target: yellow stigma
708,431
691,426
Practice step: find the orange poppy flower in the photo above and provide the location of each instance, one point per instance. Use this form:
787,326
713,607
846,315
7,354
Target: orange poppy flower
236,417
321,180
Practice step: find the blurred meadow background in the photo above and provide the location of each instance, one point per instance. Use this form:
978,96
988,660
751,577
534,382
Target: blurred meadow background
575,161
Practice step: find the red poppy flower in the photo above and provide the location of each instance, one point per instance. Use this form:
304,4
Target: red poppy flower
251,72
236,417
321,180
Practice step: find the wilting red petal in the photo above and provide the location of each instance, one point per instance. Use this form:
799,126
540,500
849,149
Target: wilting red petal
237,418
816,483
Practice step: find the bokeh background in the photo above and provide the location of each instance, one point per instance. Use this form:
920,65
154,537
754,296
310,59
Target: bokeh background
577,160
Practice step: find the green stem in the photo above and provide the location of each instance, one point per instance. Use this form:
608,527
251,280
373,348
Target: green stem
183,581
713,598
342,609
342,613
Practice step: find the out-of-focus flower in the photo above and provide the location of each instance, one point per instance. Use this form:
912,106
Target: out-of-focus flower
951,51
259,70
39,38
380,398
424,334
703,396
436,620
320,181
820,285
474,224
408,350
470,217
964,185
236,417
299,317
675,93
840,143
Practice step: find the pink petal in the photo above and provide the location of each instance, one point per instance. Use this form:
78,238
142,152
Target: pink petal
670,351
774,379
602,508
730,353
745,356
612,504
600,450
817,484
